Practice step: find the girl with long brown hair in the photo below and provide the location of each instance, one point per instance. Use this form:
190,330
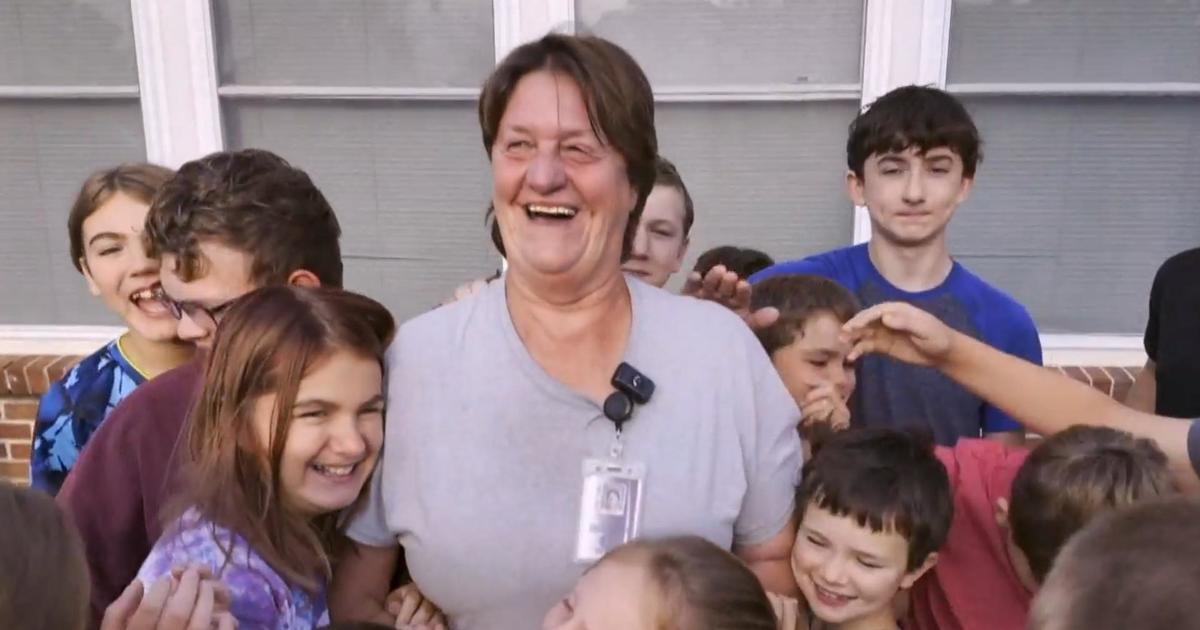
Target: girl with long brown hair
283,438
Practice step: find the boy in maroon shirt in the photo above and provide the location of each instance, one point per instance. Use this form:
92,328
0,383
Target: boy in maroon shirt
223,226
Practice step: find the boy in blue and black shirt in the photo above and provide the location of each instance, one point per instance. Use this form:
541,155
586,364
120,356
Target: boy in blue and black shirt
912,159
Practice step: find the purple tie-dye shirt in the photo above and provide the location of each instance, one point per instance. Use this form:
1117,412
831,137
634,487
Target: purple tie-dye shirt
260,598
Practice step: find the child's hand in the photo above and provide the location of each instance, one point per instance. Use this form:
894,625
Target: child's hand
900,331
412,610
185,599
824,404
727,289
789,613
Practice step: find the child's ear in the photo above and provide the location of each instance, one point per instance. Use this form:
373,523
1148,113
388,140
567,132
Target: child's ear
968,184
1001,513
854,188
87,276
911,577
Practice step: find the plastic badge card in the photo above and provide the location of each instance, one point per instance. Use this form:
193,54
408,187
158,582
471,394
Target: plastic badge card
611,507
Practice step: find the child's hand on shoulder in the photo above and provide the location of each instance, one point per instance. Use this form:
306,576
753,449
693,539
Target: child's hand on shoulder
412,610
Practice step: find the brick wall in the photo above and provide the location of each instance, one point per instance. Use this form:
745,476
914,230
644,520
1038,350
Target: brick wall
23,379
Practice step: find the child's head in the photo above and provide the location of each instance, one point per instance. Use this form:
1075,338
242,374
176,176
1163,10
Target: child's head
805,342
44,583
912,157
875,508
668,584
661,239
235,221
1132,568
1068,480
743,261
289,423
105,229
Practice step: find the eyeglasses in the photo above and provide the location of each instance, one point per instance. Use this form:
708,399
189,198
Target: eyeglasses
206,318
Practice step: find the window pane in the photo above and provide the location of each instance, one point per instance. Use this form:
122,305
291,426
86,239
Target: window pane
49,148
703,42
762,175
409,183
66,42
1074,41
412,43
1078,201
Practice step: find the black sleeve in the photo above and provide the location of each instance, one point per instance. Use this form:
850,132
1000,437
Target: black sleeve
1150,340
1193,445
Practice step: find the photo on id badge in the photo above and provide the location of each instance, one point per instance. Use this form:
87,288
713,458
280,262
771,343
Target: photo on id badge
610,508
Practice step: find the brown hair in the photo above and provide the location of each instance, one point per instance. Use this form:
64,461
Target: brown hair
886,480
700,586
744,261
914,116
44,582
254,201
799,297
269,340
1074,476
1132,568
665,174
620,106
139,180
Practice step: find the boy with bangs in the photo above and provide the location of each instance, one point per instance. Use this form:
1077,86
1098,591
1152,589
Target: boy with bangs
875,508
912,158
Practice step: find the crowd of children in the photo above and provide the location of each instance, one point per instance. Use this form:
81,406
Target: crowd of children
225,489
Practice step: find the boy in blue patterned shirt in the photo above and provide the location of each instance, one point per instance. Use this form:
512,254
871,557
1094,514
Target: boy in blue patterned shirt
105,227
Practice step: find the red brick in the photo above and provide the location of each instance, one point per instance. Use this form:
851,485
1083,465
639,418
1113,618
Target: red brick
36,378
17,471
55,371
16,430
20,410
3,450
1100,379
20,451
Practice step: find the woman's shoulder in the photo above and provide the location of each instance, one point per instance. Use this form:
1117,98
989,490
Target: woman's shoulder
688,319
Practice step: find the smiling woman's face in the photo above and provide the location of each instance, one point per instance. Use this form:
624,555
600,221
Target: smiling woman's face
562,196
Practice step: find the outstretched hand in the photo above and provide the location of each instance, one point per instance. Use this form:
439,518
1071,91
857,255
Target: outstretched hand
725,288
901,331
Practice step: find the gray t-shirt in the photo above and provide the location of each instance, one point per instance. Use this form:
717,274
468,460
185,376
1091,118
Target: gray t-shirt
482,463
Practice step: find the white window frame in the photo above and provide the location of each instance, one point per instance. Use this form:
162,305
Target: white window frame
181,111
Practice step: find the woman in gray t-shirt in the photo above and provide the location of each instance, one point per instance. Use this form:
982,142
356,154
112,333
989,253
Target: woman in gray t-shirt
502,473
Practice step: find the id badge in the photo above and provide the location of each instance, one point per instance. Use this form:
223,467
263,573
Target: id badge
611,510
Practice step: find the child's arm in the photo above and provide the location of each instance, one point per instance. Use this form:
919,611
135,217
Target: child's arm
1042,400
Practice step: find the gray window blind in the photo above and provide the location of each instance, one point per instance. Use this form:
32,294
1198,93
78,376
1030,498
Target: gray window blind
1074,41
48,147
1078,201
713,42
763,175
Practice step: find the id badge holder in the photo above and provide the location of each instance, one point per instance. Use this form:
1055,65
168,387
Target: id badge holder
611,508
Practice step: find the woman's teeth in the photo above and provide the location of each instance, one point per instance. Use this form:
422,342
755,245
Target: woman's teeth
148,293
334,471
550,212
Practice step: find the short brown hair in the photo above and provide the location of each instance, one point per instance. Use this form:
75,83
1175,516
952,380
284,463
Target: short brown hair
798,297
744,261
44,583
665,174
885,479
266,344
1132,568
700,585
914,116
138,180
254,201
620,106
1074,476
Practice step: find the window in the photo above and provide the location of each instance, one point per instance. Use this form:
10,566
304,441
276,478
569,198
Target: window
68,106
376,101
1092,140
753,103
